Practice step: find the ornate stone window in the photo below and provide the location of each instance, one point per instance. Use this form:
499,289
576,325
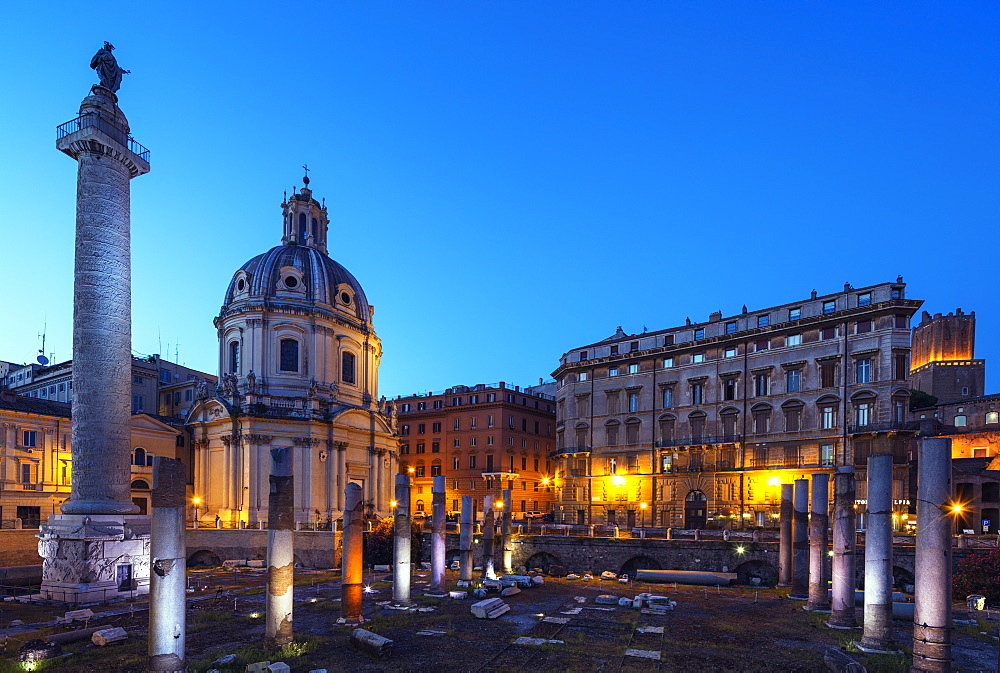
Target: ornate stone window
348,367
288,355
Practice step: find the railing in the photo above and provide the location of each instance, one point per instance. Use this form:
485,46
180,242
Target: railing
570,449
697,441
884,426
30,487
109,128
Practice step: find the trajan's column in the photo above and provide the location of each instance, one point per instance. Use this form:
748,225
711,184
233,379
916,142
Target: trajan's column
98,547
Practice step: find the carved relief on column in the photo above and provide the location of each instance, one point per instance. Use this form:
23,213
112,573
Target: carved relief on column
7,428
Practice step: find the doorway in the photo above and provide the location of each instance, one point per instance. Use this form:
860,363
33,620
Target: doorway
695,510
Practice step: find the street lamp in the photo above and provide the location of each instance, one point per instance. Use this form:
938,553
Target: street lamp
643,507
195,501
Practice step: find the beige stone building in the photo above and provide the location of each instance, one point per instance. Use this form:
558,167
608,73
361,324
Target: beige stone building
698,425
36,466
298,365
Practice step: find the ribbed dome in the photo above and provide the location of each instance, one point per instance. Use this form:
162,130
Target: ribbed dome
320,275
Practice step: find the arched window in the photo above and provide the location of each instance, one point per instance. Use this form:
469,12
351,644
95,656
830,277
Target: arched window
289,356
420,505
730,423
140,485
761,419
302,228
581,436
315,229
632,431
139,457
436,468
864,409
234,357
667,424
347,367
420,469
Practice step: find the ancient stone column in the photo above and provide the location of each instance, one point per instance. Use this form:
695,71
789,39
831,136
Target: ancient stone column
280,548
844,583
785,538
800,542
351,555
932,563
168,558
438,531
505,538
402,530
102,308
489,538
819,522
466,533
877,636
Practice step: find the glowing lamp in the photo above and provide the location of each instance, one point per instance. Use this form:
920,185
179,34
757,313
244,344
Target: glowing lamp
498,504
545,481
411,470
774,481
741,549
196,500
643,505
618,480
393,503
957,508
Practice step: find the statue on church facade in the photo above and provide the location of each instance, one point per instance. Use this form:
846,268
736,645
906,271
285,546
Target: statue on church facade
107,67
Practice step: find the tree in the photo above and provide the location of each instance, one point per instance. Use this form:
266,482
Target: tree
921,400
978,574
379,542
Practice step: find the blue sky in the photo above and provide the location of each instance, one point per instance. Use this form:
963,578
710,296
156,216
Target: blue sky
510,180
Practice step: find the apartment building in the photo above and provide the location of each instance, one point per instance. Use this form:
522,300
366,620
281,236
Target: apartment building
699,425
482,439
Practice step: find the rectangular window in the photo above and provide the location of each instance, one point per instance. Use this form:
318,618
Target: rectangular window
614,349
489,421
793,340
698,357
828,417
795,313
730,328
826,454
583,355
633,346
899,322
793,379
865,299
435,447
420,447
668,362
763,320
456,401
763,345
289,355
436,428
138,401
473,399
421,406
633,402
633,369
729,353
699,333
472,441
420,428
829,306
456,443
30,438
472,462
696,393
827,375
613,371
438,404
668,340
456,463
668,398
510,422
583,376
729,390
457,424
760,385
863,327
491,397
896,293
489,440
828,333
137,380
613,402
792,417
863,371
404,430
473,422
863,413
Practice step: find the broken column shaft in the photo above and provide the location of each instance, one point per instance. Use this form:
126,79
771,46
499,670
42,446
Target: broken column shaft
489,538
280,549
877,636
168,559
505,541
932,577
785,539
402,531
819,521
466,533
438,529
842,594
351,555
800,542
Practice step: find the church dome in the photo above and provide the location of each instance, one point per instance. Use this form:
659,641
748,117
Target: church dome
303,272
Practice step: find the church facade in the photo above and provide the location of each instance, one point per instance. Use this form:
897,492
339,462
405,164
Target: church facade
298,367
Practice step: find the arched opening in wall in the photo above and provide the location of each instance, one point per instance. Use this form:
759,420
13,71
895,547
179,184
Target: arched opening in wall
203,559
757,573
139,456
348,367
234,356
639,563
543,561
695,509
302,228
140,485
902,579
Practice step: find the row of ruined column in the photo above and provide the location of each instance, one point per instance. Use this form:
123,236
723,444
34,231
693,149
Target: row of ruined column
830,587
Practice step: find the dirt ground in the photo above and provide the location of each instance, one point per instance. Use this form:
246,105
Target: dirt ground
711,629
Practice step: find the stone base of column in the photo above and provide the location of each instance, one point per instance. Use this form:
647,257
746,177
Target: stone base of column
350,597
873,647
92,558
842,622
931,649
809,607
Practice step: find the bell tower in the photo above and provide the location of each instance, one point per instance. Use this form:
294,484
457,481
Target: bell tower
306,221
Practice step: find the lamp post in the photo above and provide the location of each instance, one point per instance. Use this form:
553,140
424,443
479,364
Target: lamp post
643,506
195,501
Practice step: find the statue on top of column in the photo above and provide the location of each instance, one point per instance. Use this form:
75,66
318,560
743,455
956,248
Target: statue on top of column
107,67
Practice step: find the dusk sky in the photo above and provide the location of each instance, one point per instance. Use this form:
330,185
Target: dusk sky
509,180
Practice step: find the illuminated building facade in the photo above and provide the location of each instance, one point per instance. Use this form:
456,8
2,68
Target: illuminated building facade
482,439
698,425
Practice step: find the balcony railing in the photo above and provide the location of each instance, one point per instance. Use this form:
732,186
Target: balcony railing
106,127
698,441
568,450
885,426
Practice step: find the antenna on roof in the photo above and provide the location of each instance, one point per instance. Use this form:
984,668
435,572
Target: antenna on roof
42,360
